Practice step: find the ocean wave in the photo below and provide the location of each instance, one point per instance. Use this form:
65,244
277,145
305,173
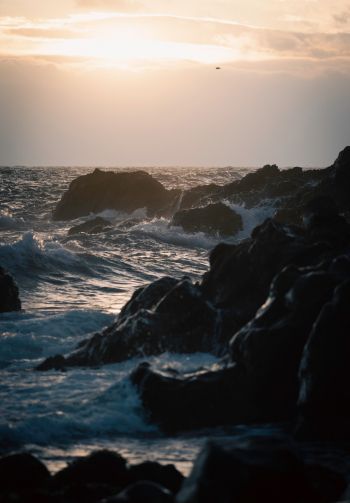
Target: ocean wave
160,230
109,405
31,253
29,336
251,217
8,222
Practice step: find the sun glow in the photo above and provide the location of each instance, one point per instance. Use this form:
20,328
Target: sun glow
128,46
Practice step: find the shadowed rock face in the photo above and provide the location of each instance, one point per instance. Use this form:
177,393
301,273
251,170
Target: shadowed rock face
9,296
102,190
216,219
258,469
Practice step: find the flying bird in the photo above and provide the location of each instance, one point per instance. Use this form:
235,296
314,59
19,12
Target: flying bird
218,68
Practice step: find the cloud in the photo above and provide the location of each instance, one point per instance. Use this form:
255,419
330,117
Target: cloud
343,18
42,33
115,5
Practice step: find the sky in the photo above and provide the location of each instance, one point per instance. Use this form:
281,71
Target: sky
174,83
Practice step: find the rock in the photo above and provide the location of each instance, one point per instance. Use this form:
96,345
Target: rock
94,226
207,398
9,296
341,178
142,492
324,399
152,328
101,190
100,467
22,471
57,362
165,475
216,219
259,469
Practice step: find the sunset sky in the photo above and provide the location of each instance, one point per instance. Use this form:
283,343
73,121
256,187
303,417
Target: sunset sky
134,83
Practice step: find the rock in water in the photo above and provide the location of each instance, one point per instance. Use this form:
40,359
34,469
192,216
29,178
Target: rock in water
93,226
9,296
216,219
103,190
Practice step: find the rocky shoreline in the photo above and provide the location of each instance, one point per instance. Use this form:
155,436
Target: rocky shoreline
274,308
259,468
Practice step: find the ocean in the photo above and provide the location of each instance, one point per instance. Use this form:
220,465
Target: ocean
73,286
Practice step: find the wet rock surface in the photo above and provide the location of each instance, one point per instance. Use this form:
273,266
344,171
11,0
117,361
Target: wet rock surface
9,294
216,219
103,190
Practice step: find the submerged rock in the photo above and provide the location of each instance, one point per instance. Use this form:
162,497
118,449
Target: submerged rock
9,295
216,219
93,226
125,191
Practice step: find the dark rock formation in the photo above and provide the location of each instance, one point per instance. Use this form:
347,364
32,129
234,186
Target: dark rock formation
171,315
9,296
165,475
216,219
93,226
100,467
324,400
152,322
126,191
305,314
22,471
256,470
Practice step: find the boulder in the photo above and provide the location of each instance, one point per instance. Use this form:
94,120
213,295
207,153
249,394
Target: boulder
165,475
99,467
216,219
22,471
251,471
9,295
94,226
124,191
207,398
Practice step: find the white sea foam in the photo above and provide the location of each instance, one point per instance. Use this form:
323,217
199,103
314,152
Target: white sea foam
251,217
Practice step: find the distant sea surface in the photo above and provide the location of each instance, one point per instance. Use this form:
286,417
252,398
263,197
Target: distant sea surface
71,287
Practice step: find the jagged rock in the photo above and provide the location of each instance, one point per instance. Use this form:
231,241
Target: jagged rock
9,295
217,219
125,191
153,321
93,226
341,177
255,470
